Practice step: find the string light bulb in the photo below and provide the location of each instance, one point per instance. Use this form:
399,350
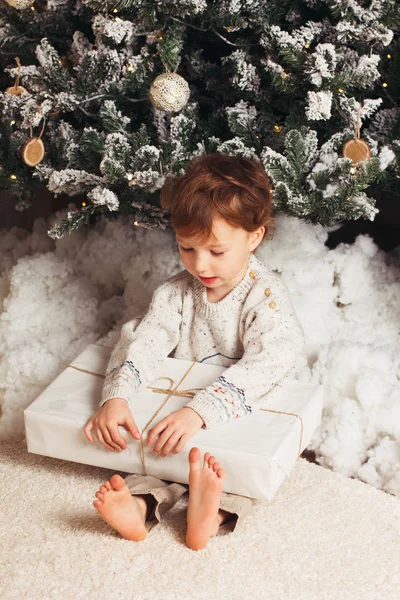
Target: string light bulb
136,223
115,10
306,45
83,203
13,177
384,84
129,68
12,122
340,90
388,56
277,128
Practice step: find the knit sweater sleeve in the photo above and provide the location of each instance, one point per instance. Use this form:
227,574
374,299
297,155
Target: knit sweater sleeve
139,354
273,343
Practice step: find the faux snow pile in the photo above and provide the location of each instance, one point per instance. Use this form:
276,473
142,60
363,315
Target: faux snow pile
57,297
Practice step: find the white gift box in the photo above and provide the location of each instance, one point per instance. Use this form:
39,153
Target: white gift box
256,451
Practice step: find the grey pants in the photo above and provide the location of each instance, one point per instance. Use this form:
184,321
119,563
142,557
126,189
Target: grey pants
167,493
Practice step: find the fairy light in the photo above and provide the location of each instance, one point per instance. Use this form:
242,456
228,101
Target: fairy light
12,122
129,68
384,84
306,45
115,10
83,203
13,177
136,223
388,56
284,75
341,90
277,128
352,170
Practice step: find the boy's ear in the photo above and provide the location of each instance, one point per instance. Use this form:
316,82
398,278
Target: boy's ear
256,237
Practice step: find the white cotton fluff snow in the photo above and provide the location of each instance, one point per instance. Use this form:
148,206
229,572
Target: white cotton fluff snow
58,296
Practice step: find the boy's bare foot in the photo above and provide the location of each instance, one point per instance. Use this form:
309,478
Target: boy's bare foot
205,487
125,513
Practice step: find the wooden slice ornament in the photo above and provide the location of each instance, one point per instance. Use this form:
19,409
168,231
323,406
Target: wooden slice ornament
357,149
33,152
16,89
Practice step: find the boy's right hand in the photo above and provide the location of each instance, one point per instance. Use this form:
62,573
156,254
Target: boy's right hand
105,423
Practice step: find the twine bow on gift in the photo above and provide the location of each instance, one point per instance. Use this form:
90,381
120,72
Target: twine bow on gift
189,393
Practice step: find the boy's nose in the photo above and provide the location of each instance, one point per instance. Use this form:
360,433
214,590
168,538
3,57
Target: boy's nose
200,265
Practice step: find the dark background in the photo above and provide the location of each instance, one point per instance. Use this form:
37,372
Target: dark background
385,229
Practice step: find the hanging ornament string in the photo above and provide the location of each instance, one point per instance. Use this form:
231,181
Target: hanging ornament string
16,89
357,149
358,124
33,152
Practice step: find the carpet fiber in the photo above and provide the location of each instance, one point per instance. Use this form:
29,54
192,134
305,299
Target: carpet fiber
323,537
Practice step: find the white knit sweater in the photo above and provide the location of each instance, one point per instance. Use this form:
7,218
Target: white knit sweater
253,331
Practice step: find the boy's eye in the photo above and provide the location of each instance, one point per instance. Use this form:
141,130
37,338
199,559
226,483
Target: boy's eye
212,252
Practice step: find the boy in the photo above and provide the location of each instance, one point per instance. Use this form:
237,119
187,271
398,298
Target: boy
225,308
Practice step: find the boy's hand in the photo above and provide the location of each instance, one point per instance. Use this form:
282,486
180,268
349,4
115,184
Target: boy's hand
105,423
174,431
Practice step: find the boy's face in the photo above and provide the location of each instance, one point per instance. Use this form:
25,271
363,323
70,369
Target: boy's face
219,263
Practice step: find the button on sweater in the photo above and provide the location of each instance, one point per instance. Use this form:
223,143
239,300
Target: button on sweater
253,332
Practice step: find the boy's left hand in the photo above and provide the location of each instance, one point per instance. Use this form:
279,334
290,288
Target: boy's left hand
174,431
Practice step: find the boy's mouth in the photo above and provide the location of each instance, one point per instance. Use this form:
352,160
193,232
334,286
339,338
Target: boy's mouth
207,279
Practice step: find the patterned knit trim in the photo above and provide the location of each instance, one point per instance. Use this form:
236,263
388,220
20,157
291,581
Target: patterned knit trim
235,296
231,397
126,371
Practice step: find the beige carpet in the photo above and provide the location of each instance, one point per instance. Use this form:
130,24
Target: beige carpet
323,537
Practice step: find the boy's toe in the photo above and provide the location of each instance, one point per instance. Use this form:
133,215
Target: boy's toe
117,482
194,458
99,495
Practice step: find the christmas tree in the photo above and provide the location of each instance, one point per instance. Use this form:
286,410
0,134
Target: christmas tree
111,98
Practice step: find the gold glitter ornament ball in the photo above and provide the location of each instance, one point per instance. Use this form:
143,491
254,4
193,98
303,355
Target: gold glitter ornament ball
169,92
20,4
